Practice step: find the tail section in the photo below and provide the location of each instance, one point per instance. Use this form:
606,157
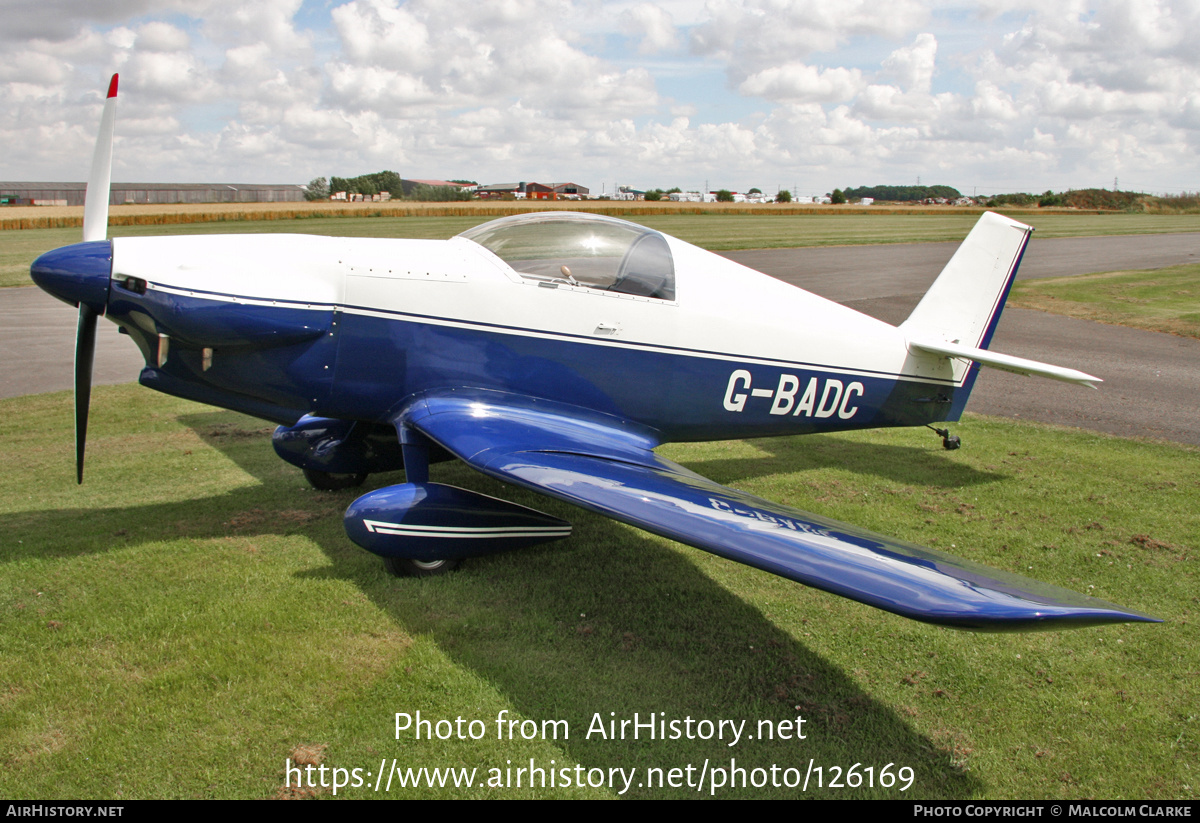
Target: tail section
1004,362
951,328
965,302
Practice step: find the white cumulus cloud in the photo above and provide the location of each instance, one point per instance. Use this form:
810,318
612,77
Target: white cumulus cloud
650,92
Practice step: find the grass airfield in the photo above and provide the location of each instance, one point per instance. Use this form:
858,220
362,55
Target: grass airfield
193,616
741,228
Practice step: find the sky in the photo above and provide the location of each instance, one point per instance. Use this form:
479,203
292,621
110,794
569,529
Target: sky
807,95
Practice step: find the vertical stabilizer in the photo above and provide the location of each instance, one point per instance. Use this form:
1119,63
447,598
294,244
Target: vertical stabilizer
956,318
964,303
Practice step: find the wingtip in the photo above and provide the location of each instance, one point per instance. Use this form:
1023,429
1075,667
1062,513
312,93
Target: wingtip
112,87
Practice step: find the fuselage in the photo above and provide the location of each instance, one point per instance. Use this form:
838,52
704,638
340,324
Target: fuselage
283,325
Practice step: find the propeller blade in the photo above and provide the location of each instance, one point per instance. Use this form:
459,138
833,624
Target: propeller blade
95,227
95,202
85,352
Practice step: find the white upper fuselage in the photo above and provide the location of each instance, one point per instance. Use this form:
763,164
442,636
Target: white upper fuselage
721,309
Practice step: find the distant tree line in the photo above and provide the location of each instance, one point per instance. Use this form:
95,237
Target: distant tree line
659,194
902,194
438,194
385,181
369,184
1093,200
1019,199
317,189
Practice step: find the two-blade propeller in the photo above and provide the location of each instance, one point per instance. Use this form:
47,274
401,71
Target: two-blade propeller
85,352
95,227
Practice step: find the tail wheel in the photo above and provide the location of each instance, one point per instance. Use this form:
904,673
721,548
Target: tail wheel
329,482
407,567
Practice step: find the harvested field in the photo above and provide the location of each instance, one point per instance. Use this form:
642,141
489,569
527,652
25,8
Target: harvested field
53,217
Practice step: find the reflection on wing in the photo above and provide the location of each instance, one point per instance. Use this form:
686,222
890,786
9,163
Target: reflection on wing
606,465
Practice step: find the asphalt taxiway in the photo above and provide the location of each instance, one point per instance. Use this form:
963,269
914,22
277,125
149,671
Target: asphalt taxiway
1151,382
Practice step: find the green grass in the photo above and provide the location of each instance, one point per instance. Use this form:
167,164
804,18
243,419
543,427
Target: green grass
1163,300
724,232
193,615
717,232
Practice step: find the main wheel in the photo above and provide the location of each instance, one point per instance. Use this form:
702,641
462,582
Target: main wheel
329,482
407,567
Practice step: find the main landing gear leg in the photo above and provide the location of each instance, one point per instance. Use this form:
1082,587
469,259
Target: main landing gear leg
416,470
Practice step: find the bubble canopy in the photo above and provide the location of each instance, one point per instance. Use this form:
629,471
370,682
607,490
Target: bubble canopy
578,249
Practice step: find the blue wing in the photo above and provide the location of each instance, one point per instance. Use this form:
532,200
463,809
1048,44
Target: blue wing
607,465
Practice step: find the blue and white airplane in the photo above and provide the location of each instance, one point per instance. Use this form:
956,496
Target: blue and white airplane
555,351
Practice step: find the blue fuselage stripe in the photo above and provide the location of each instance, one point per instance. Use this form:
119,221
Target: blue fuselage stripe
371,360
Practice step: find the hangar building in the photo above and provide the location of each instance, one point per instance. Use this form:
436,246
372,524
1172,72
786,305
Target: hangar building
71,194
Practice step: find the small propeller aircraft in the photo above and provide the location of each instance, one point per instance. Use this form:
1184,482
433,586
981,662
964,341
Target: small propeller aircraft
555,351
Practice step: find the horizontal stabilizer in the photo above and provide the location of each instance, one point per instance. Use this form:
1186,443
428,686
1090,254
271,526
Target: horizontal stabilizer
571,454
1007,362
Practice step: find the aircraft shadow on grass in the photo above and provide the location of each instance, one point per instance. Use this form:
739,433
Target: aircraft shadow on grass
899,464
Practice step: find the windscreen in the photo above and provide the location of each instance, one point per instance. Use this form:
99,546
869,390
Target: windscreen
582,250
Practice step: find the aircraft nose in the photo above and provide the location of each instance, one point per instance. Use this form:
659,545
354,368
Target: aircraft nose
76,274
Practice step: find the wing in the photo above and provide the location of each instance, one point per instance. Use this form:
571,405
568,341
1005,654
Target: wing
607,465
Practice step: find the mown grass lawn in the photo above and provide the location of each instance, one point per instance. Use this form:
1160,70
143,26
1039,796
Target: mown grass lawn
1162,300
193,616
